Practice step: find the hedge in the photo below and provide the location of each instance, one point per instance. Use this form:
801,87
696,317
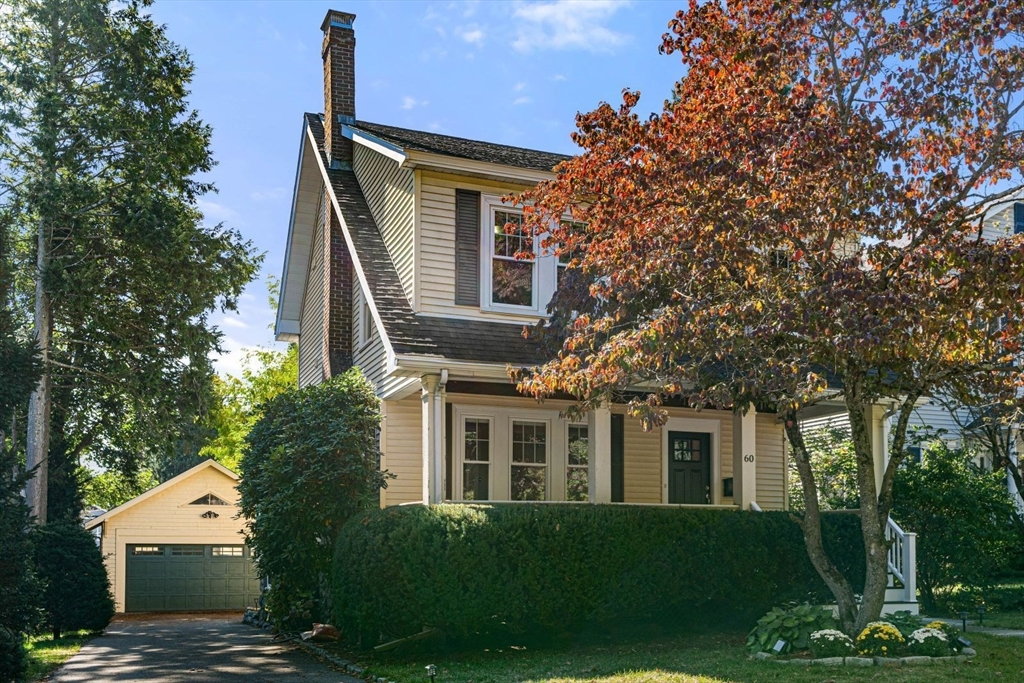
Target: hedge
563,568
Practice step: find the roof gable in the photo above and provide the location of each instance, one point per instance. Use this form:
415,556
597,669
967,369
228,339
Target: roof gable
170,483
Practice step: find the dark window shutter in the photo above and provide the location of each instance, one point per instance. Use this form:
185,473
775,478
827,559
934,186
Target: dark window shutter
1018,218
467,248
618,458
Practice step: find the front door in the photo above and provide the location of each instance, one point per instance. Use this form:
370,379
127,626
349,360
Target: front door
689,468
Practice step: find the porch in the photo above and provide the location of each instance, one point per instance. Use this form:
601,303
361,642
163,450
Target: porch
468,441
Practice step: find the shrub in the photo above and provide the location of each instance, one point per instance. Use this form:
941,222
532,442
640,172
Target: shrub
310,462
963,519
928,642
904,620
792,625
952,633
551,569
880,639
20,592
77,594
831,643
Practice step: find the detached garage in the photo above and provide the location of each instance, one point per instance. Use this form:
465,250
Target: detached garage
179,546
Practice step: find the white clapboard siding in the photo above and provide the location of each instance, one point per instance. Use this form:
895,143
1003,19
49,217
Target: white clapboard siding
389,192
771,463
437,245
369,354
311,324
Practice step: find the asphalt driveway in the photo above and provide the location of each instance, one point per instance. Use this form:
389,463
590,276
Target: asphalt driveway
197,648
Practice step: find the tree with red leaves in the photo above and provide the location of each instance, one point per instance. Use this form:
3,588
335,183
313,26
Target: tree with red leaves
804,221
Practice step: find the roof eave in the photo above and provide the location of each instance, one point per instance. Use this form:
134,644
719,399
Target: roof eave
458,165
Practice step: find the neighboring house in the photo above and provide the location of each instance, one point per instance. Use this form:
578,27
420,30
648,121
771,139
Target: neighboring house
179,546
397,263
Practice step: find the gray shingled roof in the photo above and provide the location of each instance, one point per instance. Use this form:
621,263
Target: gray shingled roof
466,340
462,148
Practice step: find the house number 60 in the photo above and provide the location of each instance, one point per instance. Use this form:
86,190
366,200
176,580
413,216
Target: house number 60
748,458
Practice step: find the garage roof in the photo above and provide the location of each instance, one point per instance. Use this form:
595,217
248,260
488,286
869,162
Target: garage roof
96,521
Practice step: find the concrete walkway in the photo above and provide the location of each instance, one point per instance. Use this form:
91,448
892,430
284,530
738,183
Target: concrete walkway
193,648
972,627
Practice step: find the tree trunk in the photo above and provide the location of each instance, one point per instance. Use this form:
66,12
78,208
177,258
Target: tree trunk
810,524
37,445
876,547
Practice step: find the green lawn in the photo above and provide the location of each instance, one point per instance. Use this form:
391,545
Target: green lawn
690,659
46,654
1003,620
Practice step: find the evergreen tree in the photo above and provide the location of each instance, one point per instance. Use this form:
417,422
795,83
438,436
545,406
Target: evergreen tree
99,155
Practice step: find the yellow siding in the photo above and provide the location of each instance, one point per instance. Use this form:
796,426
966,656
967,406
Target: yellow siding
771,463
311,325
403,451
167,517
436,234
389,192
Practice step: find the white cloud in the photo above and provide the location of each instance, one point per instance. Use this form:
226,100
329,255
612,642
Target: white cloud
231,360
473,35
410,102
558,77
568,25
522,100
233,321
270,195
435,127
214,212
519,87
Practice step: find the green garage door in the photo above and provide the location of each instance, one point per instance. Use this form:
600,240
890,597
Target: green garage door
189,578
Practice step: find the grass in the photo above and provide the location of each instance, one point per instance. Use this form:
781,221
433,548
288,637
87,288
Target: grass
1003,620
45,654
684,659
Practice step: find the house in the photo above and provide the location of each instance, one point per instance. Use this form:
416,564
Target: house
179,546
397,262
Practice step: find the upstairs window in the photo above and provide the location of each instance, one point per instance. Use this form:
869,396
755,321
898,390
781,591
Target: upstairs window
511,285
1018,218
512,280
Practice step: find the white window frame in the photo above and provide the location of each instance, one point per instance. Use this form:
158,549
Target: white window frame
457,467
366,326
512,464
570,466
687,424
545,266
500,472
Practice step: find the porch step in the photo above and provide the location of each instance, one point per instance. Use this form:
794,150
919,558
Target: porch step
890,607
894,594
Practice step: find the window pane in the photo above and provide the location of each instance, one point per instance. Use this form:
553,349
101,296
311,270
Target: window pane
510,243
578,445
576,483
187,550
474,482
227,551
528,482
477,445
512,283
529,442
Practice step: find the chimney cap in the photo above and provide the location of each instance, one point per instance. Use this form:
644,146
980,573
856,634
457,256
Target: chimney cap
337,19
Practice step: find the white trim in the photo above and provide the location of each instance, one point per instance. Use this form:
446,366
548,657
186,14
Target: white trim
689,424
499,483
162,487
357,265
373,142
291,333
414,366
545,266
448,164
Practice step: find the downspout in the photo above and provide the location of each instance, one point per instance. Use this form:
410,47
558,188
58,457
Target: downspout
437,430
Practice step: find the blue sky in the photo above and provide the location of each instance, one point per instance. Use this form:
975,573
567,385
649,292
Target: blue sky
508,72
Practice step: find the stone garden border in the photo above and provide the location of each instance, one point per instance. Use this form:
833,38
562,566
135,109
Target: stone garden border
967,655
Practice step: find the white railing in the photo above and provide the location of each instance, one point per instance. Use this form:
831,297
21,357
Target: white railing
903,559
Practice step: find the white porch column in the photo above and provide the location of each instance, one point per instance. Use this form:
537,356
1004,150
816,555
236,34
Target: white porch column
599,450
744,458
878,430
433,398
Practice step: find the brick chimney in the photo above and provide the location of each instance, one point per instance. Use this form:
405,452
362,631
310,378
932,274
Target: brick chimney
339,55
